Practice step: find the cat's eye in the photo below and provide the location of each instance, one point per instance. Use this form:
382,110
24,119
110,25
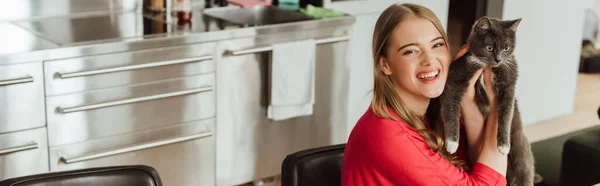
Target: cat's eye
489,48
506,49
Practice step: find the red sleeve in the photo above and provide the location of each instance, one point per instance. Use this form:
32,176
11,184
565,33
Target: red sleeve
402,156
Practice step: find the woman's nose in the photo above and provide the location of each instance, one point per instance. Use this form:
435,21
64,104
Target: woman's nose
427,60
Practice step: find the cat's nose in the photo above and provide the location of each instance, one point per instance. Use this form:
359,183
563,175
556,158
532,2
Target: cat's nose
498,60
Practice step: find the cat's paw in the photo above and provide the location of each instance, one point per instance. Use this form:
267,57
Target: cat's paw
451,146
504,149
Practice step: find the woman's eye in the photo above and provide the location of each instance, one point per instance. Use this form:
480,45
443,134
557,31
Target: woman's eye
438,45
408,52
506,49
489,48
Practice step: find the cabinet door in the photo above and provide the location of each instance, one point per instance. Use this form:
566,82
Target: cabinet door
89,115
23,153
118,69
251,146
182,154
21,97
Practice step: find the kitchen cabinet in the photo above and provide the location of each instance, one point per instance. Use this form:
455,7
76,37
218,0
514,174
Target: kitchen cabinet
251,146
183,154
89,115
23,153
65,76
153,106
21,97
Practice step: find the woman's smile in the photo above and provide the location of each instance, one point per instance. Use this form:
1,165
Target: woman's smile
429,76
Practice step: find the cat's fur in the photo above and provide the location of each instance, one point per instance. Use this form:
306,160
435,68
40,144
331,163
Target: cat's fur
492,42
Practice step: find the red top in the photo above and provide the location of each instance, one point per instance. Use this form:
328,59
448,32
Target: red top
386,152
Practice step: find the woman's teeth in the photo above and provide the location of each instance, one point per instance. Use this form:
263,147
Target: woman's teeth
429,75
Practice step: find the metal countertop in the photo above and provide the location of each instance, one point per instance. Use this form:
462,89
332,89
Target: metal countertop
64,37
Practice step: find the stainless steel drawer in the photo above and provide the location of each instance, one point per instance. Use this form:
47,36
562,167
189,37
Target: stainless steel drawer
23,153
83,116
108,70
21,97
183,154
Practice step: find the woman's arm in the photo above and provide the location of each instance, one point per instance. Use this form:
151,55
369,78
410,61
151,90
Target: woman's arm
473,120
490,154
482,139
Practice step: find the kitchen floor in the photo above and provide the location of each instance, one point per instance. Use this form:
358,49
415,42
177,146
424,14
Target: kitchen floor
587,101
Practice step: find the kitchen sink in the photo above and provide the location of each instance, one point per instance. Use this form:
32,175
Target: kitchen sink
256,16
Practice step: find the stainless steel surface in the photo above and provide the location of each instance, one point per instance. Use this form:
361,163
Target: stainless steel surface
16,40
133,100
81,30
257,15
21,97
251,146
28,146
269,48
120,69
71,127
184,163
211,32
68,160
26,79
25,158
31,9
133,67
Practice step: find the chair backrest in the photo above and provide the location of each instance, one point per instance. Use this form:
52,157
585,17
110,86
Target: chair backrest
138,175
320,166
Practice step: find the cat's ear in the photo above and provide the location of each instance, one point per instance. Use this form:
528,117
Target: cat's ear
514,24
483,23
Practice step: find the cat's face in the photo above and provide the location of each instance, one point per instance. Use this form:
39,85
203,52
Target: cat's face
493,40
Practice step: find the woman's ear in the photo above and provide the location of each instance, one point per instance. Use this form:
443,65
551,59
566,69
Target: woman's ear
384,66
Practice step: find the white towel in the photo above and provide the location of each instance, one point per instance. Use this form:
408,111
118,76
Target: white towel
292,80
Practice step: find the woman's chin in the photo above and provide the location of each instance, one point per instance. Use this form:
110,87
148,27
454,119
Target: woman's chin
432,92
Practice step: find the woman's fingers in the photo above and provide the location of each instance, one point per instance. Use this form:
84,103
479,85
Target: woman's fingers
463,50
489,84
470,93
475,77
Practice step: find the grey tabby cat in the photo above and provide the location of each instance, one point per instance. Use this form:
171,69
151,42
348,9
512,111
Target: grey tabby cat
492,42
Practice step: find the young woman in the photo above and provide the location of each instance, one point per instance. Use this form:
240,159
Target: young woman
400,140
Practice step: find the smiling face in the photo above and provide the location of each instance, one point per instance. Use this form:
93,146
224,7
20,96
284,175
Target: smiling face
416,59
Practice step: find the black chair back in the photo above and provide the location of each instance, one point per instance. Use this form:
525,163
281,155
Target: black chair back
138,175
320,166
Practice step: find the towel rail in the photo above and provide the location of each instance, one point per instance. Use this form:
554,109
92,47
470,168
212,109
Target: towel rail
269,48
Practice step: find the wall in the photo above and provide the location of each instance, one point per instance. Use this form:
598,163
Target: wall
548,49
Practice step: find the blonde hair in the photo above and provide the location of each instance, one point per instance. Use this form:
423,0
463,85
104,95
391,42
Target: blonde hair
385,96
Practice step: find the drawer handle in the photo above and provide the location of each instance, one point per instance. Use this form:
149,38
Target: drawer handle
32,145
134,100
269,48
68,160
26,79
133,67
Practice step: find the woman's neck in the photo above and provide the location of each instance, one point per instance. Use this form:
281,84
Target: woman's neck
417,104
